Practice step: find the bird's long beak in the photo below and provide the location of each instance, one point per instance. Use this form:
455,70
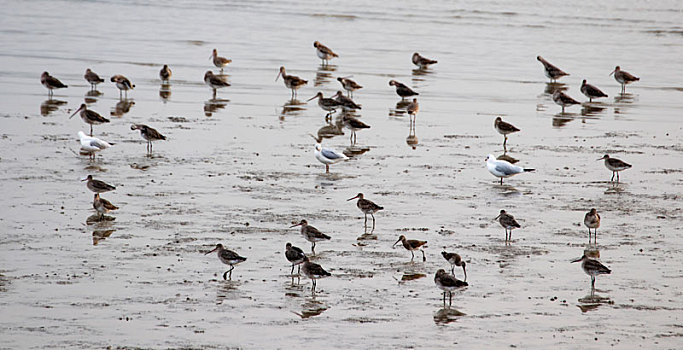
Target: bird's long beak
295,225
352,198
613,72
210,57
579,259
496,218
603,157
312,98
212,250
278,75
84,179
78,110
394,243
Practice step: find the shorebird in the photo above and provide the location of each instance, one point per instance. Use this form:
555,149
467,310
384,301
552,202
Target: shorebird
562,99
97,186
354,124
227,257
291,81
592,268
503,169
328,104
412,245
346,103
102,205
551,71
615,165
592,221
455,260
508,222
402,90
214,81
92,78
89,116
295,256
165,74
349,85
218,61
324,52
623,77
92,144
50,83
367,207
311,234
413,108
422,62
149,134
326,155
447,283
504,129
122,83
591,91
314,272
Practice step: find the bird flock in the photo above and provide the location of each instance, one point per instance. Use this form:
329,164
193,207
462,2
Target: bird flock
501,167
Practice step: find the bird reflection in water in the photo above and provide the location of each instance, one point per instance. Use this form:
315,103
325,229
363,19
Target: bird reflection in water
412,140
550,88
213,105
591,109
227,290
624,98
400,109
91,96
292,107
50,105
122,107
311,308
165,91
331,130
100,235
324,74
561,119
447,315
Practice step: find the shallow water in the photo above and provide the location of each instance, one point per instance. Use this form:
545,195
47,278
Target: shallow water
239,169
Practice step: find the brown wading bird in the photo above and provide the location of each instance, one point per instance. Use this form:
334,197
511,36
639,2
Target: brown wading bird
92,78
291,81
165,73
354,124
447,283
102,205
327,104
592,221
508,222
295,256
349,85
314,272
214,82
227,257
591,91
455,260
402,90
51,83
592,268
412,245
311,234
218,61
504,129
413,108
550,70
89,116
367,207
615,165
149,134
97,186
346,103
624,78
122,83
562,99
422,62
324,52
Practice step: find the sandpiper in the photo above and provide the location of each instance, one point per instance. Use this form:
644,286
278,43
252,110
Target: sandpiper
422,62
592,268
324,52
504,129
122,83
508,222
295,256
412,245
89,116
218,61
92,144
92,78
367,207
349,85
97,186
50,83
455,260
165,74
346,103
313,271
102,205
311,234
562,99
214,81
326,155
328,104
447,283
413,108
227,257
503,169
592,221
149,134
291,81
354,124
615,165
624,78
402,90
551,71
591,91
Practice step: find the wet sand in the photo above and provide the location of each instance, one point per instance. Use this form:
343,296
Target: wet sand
239,169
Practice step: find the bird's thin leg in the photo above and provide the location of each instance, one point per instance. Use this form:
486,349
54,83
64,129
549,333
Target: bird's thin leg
365,223
292,273
373,222
505,143
423,255
453,270
501,180
617,177
327,168
444,298
90,130
612,179
450,298
313,248
412,255
298,271
593,282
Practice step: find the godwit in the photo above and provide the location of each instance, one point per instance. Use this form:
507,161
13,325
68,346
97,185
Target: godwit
92,78
413,108
447,283
311,234
353,124
92,144
422,62
97,186
592,221
503,169
402,90
102,205
455,260
328,104
563,99
367,207
149,134
346,103
51,83
89,116
291,81
504,129
326,155
349,85
615,165
624,78
592,268
324,52
218,61
165,74
314,272
412,245
551,71
591,91
508,222
122,83
214,81
227,257
295,256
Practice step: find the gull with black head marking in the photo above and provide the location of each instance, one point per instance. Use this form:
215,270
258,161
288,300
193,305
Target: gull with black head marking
550,70
623,77
324,52
503,169
92,78
91,144
51,83
311,234
149,134
402,90
349,85
314,272
615,165
447,283
564,100
227,257
592,221
412,245
504,129
508,222
455,260
367,207
592,268
97,186
295,256
591,91
422,62
89,116
122,83
102,206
